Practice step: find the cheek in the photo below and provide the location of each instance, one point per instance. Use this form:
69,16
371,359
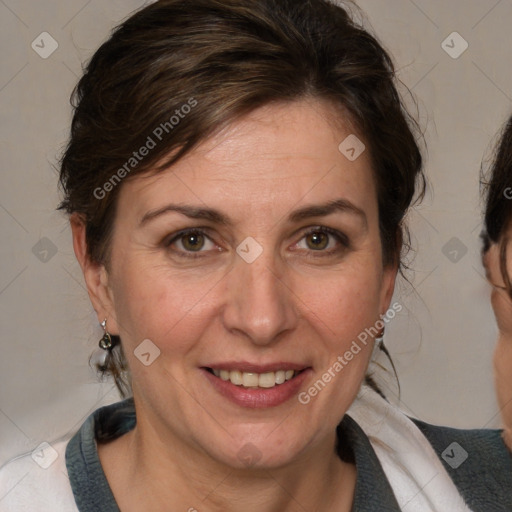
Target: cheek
492,266
152,303
345,303
502,306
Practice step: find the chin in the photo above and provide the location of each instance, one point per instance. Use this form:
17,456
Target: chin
270,449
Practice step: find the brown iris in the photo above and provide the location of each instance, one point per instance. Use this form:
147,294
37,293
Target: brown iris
317,240
193,241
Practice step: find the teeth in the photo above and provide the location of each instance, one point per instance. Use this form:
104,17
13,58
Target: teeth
267,380
280,377
255,380
236,378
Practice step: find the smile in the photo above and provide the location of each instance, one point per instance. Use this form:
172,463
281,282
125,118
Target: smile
257,386
255,380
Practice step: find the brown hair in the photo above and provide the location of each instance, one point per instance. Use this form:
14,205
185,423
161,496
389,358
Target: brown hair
176,72
498,200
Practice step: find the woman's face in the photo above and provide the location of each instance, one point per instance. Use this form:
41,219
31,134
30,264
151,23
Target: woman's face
269,279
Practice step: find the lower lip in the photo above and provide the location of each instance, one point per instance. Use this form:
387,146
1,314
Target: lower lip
258,398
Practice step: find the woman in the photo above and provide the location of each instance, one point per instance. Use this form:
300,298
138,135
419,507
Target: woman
237,179
496,256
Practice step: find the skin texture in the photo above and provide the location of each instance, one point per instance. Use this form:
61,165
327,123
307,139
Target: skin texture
293,304
502,306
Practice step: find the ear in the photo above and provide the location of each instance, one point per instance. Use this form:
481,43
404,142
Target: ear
388,286
95,275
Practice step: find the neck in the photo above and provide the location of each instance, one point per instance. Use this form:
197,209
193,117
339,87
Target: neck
147,471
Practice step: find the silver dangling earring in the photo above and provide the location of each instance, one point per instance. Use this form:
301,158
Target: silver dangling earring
379,340
106,341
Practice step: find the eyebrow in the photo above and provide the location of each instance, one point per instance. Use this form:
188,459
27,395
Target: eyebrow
319,210
322,210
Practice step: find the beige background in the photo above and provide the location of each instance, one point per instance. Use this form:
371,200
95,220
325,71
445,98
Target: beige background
48,328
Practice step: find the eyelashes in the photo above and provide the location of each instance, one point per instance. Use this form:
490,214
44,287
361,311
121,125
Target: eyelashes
194,237
197,243
339,237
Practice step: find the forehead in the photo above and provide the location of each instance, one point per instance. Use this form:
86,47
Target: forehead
278,153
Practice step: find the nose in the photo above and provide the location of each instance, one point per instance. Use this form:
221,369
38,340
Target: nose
260,303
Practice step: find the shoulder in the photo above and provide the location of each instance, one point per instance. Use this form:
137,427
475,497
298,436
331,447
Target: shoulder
478,462
39,479
86,476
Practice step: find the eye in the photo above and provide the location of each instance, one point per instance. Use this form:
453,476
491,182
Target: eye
191,241
324,240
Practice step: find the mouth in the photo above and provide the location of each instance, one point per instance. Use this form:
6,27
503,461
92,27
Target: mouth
265,380
256,386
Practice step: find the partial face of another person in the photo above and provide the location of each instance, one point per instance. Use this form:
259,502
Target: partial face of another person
501,302
502,306
258,253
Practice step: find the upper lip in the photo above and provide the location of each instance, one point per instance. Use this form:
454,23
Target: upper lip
247,367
